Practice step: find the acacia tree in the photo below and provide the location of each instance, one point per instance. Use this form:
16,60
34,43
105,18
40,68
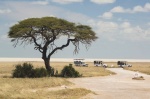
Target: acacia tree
43,32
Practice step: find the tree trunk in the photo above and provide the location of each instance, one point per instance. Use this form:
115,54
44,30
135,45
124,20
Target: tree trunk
47,64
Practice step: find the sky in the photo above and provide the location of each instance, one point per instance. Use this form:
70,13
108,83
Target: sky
123,26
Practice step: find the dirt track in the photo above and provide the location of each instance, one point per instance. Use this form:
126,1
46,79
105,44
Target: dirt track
119,86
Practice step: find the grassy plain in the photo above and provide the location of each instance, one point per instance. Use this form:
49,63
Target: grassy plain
90,71
143,67
51,88
44,88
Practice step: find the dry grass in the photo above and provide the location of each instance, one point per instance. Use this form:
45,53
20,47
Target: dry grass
90,71
40,88
141,67
70,93
27,88
11,88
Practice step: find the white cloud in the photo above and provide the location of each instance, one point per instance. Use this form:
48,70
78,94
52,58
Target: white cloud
119,9
102,1
123,31
2,11
125,25
107,15
107,26
147,7
41,2
138,9
130,32
21,11
135,33
66,1
76,17
105,29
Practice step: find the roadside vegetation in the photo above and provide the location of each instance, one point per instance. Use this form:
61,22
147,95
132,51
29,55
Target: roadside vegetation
140,67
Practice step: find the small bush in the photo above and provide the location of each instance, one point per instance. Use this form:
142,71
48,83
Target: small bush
27,70
40,72
24,70
69,71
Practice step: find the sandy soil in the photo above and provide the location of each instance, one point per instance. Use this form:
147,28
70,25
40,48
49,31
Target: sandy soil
119,86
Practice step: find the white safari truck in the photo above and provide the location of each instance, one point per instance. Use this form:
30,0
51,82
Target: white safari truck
123,64
80,62
100,63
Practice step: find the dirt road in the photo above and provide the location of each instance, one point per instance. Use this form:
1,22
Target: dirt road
119,86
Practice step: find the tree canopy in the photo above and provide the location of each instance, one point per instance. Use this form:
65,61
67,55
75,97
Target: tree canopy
43,32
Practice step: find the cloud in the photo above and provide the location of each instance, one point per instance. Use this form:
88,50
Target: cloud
107,15
102,1
119,9
135,33
22,10
3,11
41,2
146,8
138,9
119,31
105,29
66,1
125,25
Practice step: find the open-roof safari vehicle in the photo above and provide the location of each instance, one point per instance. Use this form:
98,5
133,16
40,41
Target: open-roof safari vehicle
80,62
100,63
123,64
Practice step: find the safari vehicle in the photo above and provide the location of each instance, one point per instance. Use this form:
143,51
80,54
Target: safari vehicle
123,64
80,62
100,63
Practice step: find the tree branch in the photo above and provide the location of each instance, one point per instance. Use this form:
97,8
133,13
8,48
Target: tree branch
38,45
60,48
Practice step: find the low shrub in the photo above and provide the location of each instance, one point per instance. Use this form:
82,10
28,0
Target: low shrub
69,71
24,70
40,72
